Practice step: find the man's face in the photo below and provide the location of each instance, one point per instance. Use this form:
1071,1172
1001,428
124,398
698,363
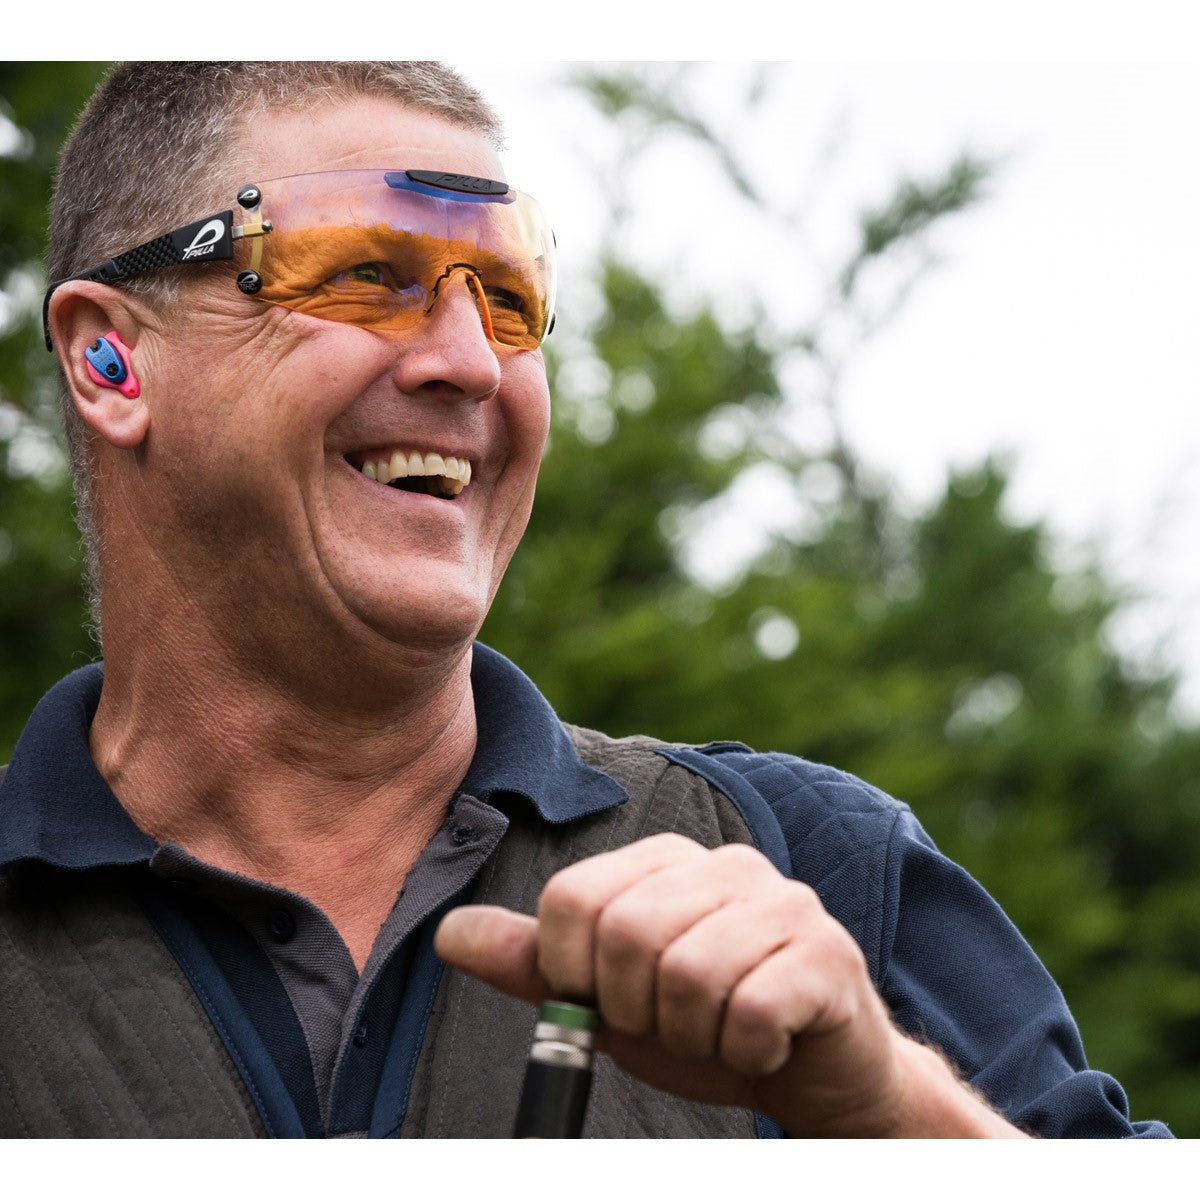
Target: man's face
262,419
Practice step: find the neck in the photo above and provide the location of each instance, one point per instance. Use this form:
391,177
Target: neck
334,802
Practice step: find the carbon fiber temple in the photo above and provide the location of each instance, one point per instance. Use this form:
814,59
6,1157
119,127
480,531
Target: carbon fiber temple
206,240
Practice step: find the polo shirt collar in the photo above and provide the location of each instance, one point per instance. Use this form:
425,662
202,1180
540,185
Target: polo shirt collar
523,749
56,807
54,804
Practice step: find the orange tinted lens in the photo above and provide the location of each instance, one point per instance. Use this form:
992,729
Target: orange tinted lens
379,264
348,274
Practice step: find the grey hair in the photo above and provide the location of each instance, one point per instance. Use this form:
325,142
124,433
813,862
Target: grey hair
158,145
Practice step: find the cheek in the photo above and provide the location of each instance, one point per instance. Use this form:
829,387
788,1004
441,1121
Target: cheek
316,374
527,407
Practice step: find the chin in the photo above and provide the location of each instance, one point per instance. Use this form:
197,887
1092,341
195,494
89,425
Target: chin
435,626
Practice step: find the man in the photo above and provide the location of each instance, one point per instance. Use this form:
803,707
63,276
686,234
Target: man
306,429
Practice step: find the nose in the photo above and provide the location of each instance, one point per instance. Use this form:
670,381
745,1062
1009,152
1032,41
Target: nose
449,353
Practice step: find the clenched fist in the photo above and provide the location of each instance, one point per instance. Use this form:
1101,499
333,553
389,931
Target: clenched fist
720,980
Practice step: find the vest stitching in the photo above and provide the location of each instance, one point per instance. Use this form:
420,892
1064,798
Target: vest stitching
112,999
16,1107
148,983
116,1008
230,1045
31,975
458,1008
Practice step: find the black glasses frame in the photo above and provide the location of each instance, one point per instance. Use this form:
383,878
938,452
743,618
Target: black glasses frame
208,240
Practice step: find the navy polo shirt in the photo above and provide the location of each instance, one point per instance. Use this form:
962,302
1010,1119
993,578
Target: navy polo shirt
324,1051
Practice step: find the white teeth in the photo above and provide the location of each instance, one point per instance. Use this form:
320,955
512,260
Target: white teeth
454,472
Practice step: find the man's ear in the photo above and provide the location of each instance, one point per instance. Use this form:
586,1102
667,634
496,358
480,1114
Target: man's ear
81,312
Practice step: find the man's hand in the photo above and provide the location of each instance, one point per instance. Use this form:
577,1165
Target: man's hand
720,980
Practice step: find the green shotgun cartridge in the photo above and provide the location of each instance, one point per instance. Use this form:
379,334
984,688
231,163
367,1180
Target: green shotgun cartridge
558,1075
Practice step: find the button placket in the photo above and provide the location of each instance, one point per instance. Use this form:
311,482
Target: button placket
281,925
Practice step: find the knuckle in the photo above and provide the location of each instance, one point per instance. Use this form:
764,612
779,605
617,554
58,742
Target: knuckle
753,1053
753,1033
797,910
685,978
738,856
621,931
620,1014
561,973
802,899
843,953
675,844
564,900
752,1007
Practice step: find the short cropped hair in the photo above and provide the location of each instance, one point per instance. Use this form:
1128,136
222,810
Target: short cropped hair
159,144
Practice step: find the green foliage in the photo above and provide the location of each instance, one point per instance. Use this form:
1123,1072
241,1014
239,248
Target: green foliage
41,100
41,602
913,208
943,656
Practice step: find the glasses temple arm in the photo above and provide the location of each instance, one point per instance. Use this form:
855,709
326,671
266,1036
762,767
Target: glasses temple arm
172,249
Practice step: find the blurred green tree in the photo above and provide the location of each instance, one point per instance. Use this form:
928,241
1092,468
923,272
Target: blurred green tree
943,656
42,611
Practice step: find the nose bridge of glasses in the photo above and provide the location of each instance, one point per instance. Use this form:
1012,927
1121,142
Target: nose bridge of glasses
470,276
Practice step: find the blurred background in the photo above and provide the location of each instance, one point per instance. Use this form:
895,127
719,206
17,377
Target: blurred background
874,441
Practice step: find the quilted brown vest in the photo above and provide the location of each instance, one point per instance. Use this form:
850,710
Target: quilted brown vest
102,1036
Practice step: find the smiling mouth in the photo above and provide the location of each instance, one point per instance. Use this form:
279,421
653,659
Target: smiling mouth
409,470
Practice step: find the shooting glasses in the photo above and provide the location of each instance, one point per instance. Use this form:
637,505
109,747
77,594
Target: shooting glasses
373,249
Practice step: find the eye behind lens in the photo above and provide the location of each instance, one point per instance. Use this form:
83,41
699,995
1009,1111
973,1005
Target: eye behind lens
504,300
375,282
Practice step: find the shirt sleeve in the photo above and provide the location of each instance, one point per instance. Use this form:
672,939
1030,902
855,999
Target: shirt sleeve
957,973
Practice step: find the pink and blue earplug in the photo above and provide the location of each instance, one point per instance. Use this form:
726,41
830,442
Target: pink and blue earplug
108,365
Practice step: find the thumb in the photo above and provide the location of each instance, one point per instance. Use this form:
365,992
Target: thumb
498,946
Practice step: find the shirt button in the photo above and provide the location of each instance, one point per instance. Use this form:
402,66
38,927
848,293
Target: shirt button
360,1034
281,925
460,835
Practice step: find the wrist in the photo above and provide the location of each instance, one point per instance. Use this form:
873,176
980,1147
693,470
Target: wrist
933,1102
